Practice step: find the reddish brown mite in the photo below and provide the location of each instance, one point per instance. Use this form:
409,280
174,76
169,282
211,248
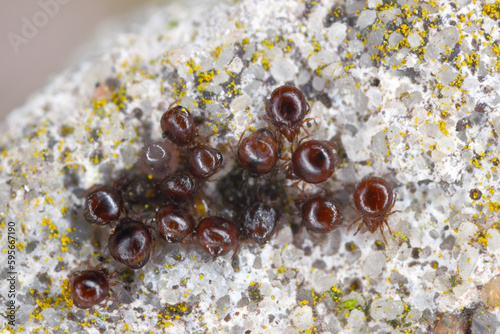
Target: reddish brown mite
158,159
103,205
313,161
258,153
90,287
259,222
130,243
204,162
373,199
178,187
287,108
321,215
177,125
174,223
218,236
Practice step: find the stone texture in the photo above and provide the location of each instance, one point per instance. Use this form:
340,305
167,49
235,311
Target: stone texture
407,91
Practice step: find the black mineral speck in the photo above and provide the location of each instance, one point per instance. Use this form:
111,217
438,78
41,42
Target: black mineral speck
270,81
481,107
335,14
66,130
60,266
415,252
137,112
319,264
31,247
354,284
96,156
244,301
309,5
304,294
254,293
112,83
462,124
71,177
377,245
350,246
448,243
325,99
235,263
453,55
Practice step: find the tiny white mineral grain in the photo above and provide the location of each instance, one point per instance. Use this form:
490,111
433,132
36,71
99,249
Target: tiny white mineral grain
356,319
386,309
302,318
467,261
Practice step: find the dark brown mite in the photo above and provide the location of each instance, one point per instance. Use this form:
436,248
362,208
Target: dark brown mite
373,199
314,161
321,215
89,288
130,243
158,159
178,187
204,161
177,125
174,223
258,153
287,108
259,222
103,205
218,236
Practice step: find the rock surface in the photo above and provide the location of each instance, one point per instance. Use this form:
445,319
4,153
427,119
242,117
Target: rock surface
408,91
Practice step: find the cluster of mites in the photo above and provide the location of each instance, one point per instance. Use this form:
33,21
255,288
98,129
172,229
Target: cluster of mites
312,161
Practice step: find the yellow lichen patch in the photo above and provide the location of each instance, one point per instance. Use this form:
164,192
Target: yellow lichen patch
335,293
119,97
470,60
493,206
204,78
282,270
265,63
171,313
231,89
267,44
65,241
98,105
64,211
458,80
179,88
483,237
442,127
51,301
492,10
50,200
217,52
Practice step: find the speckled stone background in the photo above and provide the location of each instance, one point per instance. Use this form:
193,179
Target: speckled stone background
407,90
